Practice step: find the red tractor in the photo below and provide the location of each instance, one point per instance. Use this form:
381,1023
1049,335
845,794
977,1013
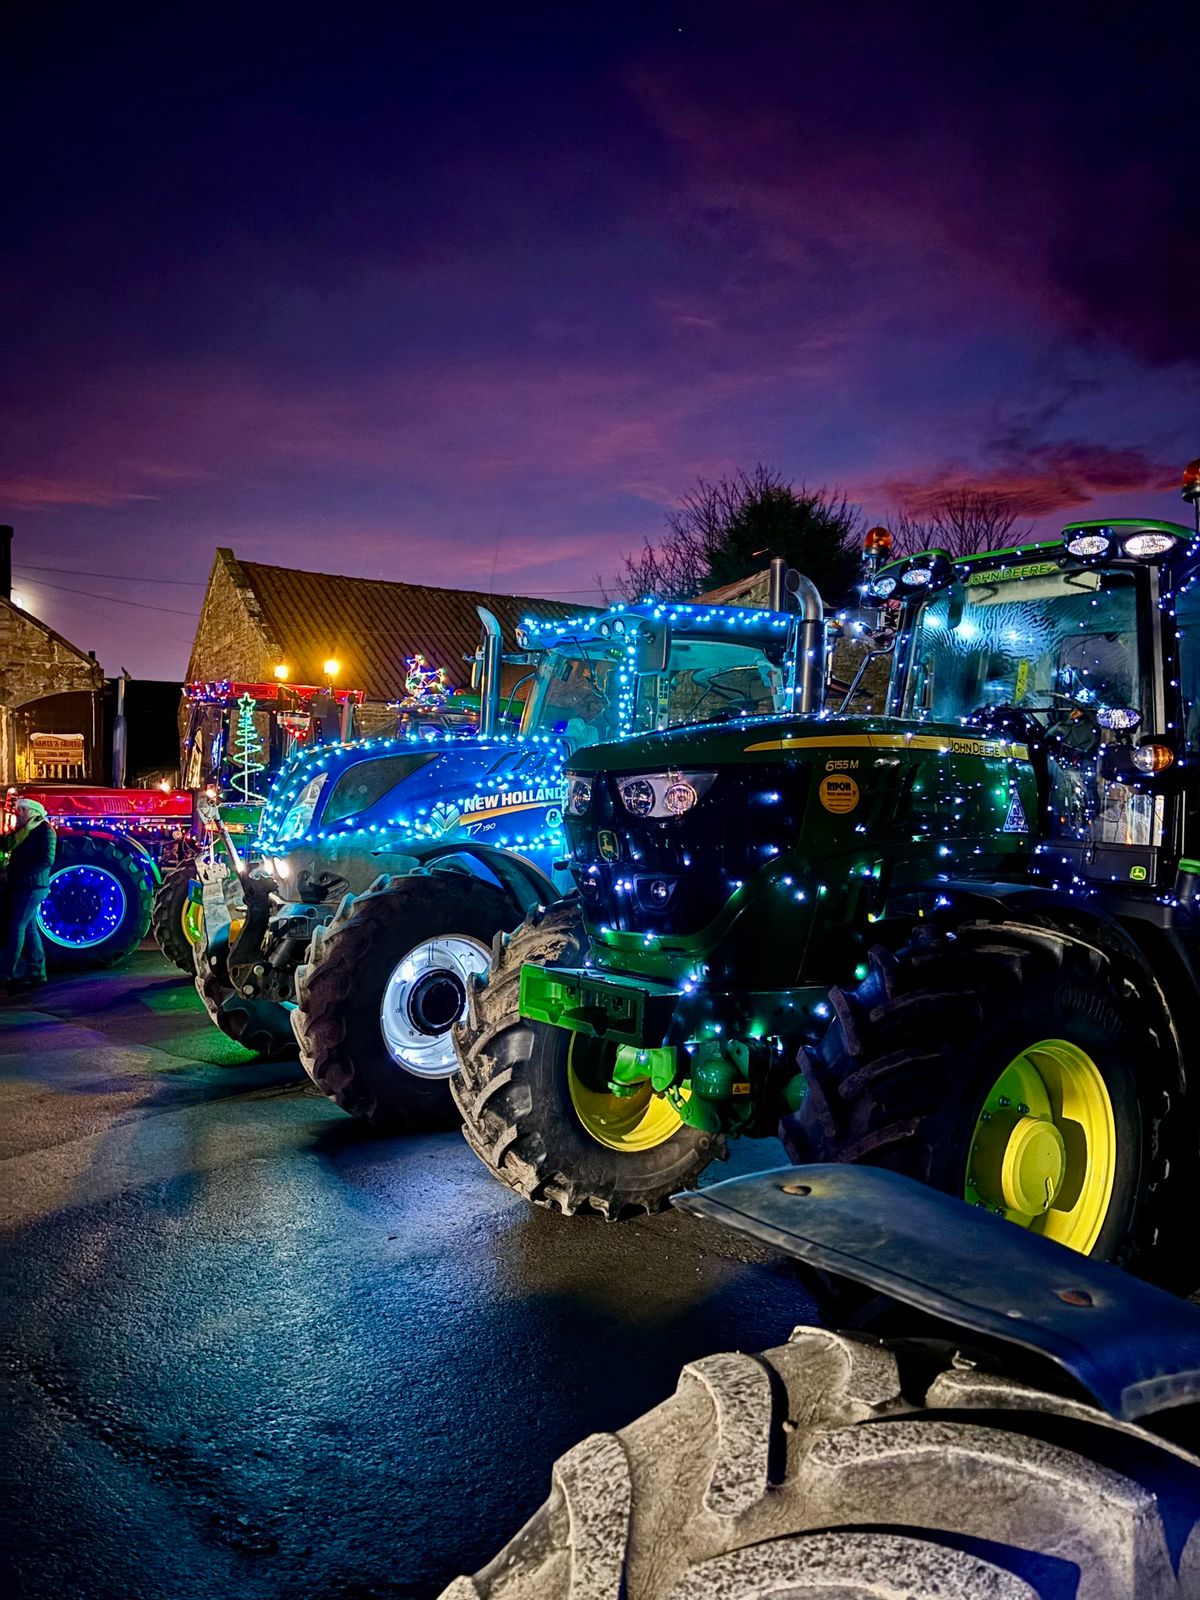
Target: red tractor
112,845
125,858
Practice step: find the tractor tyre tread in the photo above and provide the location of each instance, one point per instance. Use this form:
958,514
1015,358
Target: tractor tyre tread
499,1107
831,1466
899,1041
326,986
134,870
166,917
259,1026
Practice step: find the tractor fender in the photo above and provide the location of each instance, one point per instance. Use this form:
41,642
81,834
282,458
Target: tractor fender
1134,1348
526,886
123,841
1147,941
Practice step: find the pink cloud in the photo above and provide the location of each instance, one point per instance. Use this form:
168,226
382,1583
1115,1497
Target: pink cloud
1040,479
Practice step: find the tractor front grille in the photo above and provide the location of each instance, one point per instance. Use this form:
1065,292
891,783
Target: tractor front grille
672,876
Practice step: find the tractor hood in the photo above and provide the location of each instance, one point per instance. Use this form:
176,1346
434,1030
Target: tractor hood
753,740
676,837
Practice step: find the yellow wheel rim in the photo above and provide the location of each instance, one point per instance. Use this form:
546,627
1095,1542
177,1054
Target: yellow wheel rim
1044,1150
625,1122
193,920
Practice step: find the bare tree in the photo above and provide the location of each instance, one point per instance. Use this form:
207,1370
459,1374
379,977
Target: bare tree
962,522
728,529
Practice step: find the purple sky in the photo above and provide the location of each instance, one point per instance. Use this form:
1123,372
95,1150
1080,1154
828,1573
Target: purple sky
465,295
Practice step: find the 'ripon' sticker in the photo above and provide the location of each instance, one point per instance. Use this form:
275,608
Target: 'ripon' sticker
838,794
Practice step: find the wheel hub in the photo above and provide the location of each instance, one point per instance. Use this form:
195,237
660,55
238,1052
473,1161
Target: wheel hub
1029,1156
423,999
435,1001
84,906
1043,1152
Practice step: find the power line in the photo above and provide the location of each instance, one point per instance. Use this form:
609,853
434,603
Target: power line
112,599
117,577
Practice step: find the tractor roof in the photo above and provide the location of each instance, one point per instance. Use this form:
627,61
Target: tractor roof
1118,526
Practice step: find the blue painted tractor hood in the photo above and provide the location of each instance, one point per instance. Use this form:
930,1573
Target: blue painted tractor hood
407,792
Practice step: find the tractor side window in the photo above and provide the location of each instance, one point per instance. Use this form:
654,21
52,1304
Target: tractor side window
711,680
366,782
575,696
1187,622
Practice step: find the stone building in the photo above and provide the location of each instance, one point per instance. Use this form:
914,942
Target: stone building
51,722
255,618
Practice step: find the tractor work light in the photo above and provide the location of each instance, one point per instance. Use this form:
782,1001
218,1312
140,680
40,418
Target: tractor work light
331,668
579,795
663,794
1118,718
917,578
1149,758
1142,545
1085,542
281,671
883,587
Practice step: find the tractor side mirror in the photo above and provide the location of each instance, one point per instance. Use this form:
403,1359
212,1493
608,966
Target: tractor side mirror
653,648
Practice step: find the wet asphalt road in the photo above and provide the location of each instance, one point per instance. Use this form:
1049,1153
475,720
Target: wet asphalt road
250,1350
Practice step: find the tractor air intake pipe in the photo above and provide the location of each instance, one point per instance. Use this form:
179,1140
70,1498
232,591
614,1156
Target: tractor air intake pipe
777,595
810,673
490,653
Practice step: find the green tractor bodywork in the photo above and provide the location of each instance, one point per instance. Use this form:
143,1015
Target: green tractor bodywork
956,938
710,948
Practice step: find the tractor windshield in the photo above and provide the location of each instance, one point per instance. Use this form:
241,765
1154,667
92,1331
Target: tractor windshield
1056,648
574,694
588,694
1057,645
710,680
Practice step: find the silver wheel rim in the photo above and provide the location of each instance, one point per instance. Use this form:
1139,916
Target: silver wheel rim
425,995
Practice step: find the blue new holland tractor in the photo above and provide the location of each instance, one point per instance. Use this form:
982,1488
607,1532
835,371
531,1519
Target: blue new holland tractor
389,867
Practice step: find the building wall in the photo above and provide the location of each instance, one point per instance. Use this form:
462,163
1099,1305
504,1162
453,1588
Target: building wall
35,664
232,637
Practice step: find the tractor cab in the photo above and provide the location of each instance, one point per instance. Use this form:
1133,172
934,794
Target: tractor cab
1084,649
236,735
644,667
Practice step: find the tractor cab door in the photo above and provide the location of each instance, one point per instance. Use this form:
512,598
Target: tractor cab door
1072,656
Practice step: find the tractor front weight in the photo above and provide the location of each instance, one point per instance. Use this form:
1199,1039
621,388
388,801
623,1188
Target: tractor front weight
725,1060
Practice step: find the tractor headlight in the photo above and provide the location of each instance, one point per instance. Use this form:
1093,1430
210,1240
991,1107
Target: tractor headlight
663,794
281,867
883,587
579,796
1148,544
917,578
1081,543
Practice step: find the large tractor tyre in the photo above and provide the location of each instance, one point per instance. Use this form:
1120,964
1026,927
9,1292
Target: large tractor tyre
262,1026
535,1101
833,1469
1019,1067
177,920
98,906
382,987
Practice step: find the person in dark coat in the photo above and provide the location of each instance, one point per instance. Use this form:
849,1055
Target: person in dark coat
30,857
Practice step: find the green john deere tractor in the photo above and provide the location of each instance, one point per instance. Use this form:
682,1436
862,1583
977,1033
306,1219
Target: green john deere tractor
960,939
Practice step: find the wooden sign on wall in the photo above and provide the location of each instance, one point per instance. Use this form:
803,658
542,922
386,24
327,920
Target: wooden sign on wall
57,756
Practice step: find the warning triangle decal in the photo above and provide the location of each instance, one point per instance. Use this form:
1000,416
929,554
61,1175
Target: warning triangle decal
1015,821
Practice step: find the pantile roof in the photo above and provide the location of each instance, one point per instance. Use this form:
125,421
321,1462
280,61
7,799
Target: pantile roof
372,626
